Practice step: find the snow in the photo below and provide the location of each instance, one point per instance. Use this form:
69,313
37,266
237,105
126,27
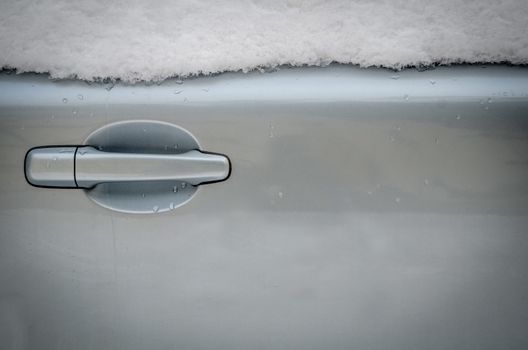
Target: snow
142,40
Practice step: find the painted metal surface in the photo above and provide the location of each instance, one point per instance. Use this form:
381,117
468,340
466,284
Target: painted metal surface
366,209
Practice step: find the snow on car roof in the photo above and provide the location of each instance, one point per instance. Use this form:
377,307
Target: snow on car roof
144,40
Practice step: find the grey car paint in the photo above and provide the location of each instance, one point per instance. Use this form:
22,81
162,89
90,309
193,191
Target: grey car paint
366,209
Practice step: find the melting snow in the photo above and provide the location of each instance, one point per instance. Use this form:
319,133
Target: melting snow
137,40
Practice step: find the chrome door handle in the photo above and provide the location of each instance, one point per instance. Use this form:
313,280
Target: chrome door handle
86,167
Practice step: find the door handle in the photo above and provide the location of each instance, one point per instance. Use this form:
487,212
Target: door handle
85,167
135,167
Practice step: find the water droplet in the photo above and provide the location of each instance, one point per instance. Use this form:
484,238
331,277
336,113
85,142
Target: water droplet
481,102
65,100
144,130
205,90
426,182
271,135
280,194
82,151
486,108
392,139
175,146
395,77
175,189
143,195
179,81
109,86
80,97
490,100
397,199
433,82
171,205
54,158
436,139
183,185
458,116
185,100
177,92
406,97
74,112
155,209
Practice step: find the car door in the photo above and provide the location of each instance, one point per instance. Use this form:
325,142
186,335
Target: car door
365,209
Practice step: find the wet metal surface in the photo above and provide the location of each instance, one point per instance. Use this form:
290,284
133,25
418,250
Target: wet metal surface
363,211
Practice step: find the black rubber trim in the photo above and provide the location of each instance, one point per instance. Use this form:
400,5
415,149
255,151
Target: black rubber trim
75,167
